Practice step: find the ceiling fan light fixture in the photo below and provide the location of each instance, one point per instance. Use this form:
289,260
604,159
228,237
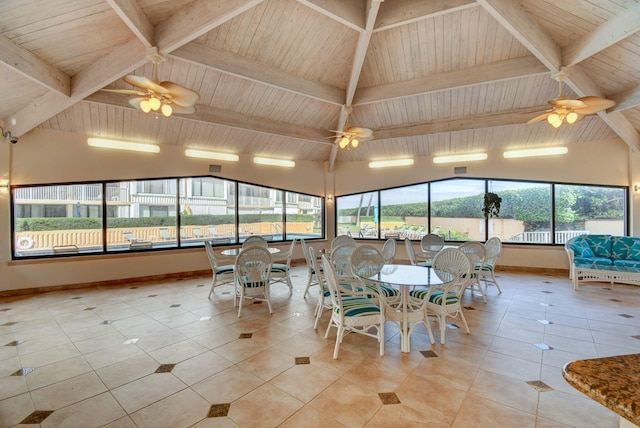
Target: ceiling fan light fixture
145,106
166,110
572,117
154,103
554,120
344,142
354,143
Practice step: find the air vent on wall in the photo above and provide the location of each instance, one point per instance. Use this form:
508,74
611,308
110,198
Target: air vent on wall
460,170
215,168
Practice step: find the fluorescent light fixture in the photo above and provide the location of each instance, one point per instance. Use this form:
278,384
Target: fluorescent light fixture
123,145
543,151
274,162
192,153
460,158
391,162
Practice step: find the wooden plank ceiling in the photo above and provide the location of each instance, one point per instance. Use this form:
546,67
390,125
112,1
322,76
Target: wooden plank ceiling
275,76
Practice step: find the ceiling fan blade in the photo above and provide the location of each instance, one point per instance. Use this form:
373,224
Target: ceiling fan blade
124,91
567,103
539,118
361,133
181,95
145,83
135,102
594,105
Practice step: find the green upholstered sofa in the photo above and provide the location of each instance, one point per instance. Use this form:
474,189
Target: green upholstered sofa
608,258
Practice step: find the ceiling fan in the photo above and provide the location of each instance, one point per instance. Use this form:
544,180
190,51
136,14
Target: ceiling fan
153,95
351,134
571,110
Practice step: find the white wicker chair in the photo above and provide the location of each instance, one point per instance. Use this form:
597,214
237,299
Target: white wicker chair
222,268
252,269
255,240
493,248
367,261
411,252
324,300
431,244
476,252
340,258
281,267
353,311
314,277
342,240
389,250
454,268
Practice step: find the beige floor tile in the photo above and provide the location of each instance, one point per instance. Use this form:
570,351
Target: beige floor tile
266,406
127,371
577,411
147,390
200,367
348,403
56,372
182,409
66,392
315,382
309,417
93,412
478,412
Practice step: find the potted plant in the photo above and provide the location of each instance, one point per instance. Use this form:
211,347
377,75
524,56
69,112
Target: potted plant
491,207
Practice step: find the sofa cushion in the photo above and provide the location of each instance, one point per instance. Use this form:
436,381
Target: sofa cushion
627,265
593,261
600,244
634,252
621,247
581,249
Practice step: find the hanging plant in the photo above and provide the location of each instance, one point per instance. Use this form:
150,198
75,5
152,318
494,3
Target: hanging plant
491,206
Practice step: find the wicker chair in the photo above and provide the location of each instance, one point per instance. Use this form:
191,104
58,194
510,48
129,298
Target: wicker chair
412,253
454,268
476,252
367,261
252,272
431,244
314,277
353,311
281,267
221,267
493,248
255,240
389,250
342,240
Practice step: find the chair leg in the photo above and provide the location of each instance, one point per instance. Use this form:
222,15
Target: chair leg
213,285
443,327
318,312
309,283
338,341
427,324
240,305
464,321
381,335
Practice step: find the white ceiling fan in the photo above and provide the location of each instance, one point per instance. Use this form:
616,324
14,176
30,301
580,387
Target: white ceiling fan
154,95
351,134
570,110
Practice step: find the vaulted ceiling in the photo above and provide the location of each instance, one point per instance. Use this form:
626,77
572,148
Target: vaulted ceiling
275,76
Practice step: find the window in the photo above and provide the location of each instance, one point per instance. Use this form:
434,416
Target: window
405,212
358,215
47,218
258,214
456,209
144,215
211,217
304,216
589,209
156,214
525,212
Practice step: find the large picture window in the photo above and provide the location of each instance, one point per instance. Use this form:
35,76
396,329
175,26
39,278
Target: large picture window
530,212
157,214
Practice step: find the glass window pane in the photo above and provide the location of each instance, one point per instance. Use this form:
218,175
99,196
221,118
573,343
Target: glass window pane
456,209
588,209
141,215
207,211
525,212
304,216
58,219
358,215
258,213
404,212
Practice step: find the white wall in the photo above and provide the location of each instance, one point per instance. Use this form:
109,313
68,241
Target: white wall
51,157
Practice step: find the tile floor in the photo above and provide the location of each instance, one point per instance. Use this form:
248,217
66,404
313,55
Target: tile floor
163,355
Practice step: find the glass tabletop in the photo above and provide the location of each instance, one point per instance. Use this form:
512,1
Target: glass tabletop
409,275
236,251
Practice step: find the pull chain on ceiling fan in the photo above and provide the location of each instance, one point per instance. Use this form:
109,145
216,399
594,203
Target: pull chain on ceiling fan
166,97
570,110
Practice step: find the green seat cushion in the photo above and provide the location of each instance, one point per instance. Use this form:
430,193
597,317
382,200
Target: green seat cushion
357,307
